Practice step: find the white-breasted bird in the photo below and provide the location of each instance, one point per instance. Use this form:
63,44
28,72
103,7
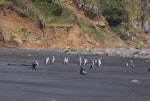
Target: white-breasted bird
85,61
99,62
46,60
53,59
93,64
80,61
34,65
66,60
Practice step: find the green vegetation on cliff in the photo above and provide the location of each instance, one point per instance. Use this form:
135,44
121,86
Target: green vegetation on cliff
114,11
53,13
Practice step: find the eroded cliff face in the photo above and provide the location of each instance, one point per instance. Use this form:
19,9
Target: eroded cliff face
17,30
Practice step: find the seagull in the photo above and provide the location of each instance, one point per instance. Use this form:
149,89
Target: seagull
53,59
83,72
85,61
46,60
66,60
99,62
34,65
93,64
80,61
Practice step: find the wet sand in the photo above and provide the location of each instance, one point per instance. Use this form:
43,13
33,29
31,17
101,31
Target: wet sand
113,81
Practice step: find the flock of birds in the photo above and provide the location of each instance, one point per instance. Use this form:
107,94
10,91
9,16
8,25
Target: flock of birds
82,62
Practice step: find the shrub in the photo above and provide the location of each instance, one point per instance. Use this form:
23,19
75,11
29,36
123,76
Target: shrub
24,31
57,10
115,12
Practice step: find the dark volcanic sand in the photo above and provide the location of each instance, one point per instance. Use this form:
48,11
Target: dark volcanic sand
59,82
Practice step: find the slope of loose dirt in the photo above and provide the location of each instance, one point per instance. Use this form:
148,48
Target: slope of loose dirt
12,35
12,23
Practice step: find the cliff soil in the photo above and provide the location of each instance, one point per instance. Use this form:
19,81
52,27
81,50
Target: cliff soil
19,31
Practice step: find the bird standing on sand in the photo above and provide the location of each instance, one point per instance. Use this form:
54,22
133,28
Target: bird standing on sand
46,60
83,72
66,60
53,59
99,62
93,64
85,61
34,65
80,61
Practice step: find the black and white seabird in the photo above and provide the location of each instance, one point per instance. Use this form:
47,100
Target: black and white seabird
46,60
66,60
80,61
93,64
34,65
85,61
99,62
83,72
53,59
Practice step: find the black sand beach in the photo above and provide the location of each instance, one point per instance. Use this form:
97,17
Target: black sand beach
113,81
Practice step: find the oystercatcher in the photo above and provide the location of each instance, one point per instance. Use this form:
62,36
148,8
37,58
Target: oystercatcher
83,72
34,65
